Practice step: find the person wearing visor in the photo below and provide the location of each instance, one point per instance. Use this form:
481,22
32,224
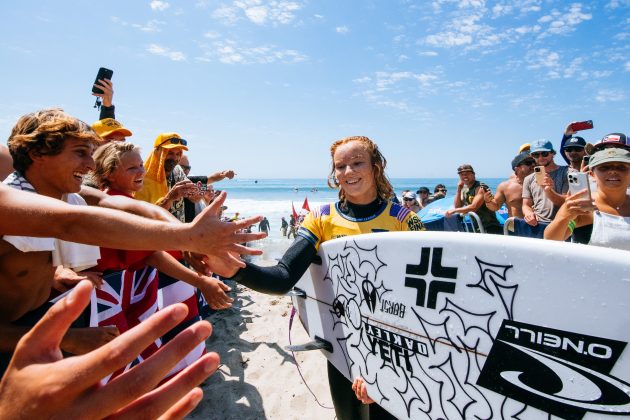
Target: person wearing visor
410,202
165,183
510,191
609,210
541,202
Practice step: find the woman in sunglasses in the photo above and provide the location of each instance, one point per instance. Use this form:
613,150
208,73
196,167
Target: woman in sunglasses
609,212
364,206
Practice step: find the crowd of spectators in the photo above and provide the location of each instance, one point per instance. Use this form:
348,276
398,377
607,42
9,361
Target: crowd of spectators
537,196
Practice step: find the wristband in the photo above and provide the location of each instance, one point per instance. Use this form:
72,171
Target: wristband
571,226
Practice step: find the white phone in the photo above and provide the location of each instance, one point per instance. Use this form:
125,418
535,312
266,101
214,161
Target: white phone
579,181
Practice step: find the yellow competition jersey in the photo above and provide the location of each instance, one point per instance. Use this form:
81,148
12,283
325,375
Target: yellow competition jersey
328,222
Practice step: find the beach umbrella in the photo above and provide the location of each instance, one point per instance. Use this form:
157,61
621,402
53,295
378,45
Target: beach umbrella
305,205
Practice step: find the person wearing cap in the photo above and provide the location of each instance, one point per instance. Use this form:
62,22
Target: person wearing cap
609,210
575,147
612,140
470,198
573,152
510,191
423,196
541,202
410,202
109,129
165,183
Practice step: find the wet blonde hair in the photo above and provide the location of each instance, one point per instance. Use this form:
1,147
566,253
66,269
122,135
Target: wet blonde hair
107,158
384,189
43,133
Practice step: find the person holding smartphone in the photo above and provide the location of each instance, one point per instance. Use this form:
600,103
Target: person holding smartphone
541,200
608,211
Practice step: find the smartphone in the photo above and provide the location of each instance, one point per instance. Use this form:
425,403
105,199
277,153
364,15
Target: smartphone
582,125
585,160
579,181
539,173
484,186
103,73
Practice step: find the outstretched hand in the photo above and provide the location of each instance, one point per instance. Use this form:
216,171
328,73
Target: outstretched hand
40,383
221,241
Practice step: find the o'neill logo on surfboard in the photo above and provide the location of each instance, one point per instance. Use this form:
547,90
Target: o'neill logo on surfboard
560,372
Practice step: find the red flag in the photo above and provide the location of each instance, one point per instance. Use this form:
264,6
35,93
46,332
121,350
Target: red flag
295,215
305,205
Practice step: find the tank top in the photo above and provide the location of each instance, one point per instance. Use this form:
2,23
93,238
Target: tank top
610,231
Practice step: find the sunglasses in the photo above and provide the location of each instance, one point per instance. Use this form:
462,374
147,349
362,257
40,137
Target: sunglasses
528,163
573,149
173,140
536,155
408,199
441,190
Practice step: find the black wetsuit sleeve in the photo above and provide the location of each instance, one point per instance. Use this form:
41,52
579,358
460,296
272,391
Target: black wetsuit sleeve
107,112
279,279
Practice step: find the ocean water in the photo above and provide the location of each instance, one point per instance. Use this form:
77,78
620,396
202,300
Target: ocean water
273,198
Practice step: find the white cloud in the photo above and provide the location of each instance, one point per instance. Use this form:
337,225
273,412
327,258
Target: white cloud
159,5
230,52
342,30
402,57
627,66
561,23
428,53
151,26
259,12
318,16
363,79
166,52
226,14
609,95
614,4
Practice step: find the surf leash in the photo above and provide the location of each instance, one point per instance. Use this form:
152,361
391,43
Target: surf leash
297,365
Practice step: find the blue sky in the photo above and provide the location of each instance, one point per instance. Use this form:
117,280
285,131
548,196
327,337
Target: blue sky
264,86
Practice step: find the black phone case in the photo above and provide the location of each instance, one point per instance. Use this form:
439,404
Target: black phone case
103,73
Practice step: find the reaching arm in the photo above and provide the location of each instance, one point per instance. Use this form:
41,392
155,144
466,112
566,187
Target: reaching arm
95,197
494,203
279,279
44,216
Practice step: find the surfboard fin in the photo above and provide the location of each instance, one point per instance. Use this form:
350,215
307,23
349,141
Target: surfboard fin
317,344
297,292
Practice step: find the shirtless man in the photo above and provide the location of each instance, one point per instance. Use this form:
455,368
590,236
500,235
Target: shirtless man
51,153
511,190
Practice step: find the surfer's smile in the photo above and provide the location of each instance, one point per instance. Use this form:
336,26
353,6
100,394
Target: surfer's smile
354,173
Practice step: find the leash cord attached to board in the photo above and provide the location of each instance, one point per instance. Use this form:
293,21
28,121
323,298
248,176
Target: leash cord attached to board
293,312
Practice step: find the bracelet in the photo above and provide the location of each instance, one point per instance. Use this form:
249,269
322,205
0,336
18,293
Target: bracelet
571,225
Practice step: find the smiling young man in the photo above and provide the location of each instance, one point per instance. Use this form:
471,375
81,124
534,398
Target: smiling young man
541,202
51,152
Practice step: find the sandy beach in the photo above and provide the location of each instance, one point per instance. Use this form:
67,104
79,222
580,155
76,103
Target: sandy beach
258,378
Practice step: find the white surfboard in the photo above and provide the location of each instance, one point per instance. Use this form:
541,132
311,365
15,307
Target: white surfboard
461,326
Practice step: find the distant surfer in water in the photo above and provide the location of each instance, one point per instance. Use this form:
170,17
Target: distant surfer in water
358,171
